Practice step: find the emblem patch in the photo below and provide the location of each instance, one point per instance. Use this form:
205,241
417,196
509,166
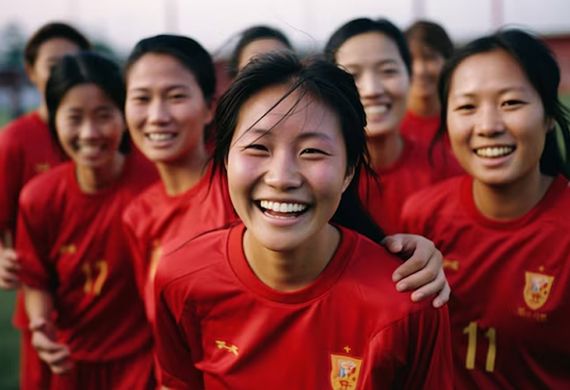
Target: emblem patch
536,289
344,372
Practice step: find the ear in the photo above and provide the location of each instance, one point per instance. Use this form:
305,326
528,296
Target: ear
30,72
550,124
211,107
347,178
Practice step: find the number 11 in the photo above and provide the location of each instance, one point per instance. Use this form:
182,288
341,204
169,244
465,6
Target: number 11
471,332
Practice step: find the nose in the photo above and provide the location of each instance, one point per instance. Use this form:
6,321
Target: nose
418,66
283,171
370,85
490,122
158,112
88,130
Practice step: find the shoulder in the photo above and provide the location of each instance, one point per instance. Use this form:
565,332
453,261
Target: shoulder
182,260
438,195
45,188
144,204
19,129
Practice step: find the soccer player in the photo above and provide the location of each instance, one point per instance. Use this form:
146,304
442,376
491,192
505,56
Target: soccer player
376,54
296,297
170,90
27,149
504,228
430,47
170,86
254,41
85,314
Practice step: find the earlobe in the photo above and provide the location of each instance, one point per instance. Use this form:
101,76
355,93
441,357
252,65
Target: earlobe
29,69
550,124
347,179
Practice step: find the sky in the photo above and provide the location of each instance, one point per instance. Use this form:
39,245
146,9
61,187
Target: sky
308,23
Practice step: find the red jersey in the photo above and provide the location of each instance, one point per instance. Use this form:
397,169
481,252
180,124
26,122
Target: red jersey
510,281
384,197
420,128
219,327
155,218
73,244
26,149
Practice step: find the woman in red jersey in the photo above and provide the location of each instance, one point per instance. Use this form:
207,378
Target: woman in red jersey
170,86
86,317
429,46
376,54
504,228
20,161
295,296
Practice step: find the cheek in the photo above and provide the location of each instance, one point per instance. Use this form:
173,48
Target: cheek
241,172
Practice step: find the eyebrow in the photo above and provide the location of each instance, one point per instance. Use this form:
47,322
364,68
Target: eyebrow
261,132
388,61
168,88
501,92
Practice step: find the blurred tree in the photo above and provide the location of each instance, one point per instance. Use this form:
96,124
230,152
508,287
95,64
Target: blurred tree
12,49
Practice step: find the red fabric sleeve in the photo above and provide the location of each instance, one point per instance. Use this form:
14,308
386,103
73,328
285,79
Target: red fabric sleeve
11,176
138,252
172,344
415,352
32,245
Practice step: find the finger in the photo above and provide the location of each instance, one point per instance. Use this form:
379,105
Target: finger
418,279
393,243
43,344
443,297
9,281
56,357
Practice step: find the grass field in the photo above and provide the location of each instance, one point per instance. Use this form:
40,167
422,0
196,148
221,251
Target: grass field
9,342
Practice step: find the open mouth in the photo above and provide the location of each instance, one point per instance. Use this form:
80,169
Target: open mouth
494,151
379,109
160,137
282,209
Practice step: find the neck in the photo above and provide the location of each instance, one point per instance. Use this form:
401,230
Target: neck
92,180
511,201
385,150
43,111
179,176
424,105
292,270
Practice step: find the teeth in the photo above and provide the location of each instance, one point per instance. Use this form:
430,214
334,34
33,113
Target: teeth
282,207
494,151
160,136
375,110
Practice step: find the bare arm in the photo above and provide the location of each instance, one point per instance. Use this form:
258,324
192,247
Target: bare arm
39,306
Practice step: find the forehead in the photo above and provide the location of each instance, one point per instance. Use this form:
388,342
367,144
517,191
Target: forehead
366,48
290,118
154,69
85,96
55,48
490,71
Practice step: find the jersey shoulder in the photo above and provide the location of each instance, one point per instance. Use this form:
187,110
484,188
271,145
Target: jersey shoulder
188,258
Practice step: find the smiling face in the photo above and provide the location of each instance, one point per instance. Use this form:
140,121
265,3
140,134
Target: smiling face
89,126
166,109
427,66
49,53
495,119
287,173
381,77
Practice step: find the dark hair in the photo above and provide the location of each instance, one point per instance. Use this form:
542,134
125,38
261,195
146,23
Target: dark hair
540,67
365,25
187,51
321,81
53,31
85,68
430,34
250,35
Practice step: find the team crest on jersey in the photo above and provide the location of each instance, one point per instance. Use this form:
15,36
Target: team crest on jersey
536,289
42,167
344,372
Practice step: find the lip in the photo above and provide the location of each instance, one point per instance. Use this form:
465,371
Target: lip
494,161
285,219
377,112
168,138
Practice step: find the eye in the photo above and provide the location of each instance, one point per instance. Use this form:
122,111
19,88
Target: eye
512,103
177,96
313,152
390,71
255,149
467,107
140,99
